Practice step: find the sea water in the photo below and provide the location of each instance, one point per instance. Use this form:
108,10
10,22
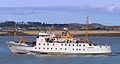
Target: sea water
6,57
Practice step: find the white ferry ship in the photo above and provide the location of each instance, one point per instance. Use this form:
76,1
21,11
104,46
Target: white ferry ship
47,43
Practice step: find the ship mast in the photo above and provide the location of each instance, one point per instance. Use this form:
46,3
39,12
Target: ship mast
14,32
87,25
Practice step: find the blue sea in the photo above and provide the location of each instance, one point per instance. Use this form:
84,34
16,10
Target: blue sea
6,57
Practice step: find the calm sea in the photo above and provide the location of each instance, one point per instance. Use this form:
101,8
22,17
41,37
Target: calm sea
6,57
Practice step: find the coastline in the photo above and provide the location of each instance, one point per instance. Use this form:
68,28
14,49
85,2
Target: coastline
74,33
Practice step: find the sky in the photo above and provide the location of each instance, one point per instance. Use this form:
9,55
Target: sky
34,3
104,11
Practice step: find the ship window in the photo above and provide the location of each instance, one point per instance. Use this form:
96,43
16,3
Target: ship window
90,44
35,48
47,48
44,44
65,44
76,49
43,48
83,45
79,49
65,48
60,48
79,44
53,44
56,48
47,44
61,44
100,46
10,46
69,44
73,44
39,43
39,47
72,49
51,48
83,49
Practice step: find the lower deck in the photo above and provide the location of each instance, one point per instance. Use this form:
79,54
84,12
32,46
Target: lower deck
62,48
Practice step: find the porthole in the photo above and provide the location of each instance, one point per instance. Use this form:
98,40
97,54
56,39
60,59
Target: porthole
65,48
56,48
47,44
44,44
65,44
83,49
35,48
69,44
39,47
60,48
73,44
79,44
61,44
90,44
83,45
10,46
53,44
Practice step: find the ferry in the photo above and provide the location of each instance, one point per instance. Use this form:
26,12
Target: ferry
47,43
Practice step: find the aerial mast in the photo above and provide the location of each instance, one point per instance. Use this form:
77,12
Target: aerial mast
86,27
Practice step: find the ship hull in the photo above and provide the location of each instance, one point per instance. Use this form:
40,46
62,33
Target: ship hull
22,49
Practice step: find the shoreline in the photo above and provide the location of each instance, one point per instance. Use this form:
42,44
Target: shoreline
74,33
